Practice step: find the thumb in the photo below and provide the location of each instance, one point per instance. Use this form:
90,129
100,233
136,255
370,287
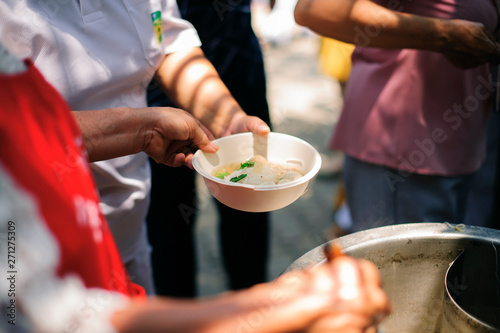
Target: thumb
257,126
201,138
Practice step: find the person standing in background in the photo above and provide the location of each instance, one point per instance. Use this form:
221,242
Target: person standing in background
414,119
230,44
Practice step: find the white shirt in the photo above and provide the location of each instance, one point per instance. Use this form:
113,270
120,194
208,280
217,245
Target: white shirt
101,54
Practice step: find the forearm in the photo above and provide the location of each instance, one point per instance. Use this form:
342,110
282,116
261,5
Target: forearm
365,23
265,308
114,132
192,82
342,295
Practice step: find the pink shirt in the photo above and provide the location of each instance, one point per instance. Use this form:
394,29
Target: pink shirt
413,110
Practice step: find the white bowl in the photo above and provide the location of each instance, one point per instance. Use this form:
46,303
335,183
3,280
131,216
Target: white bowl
281,148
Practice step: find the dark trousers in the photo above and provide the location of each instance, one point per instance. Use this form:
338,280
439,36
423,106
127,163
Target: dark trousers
171,231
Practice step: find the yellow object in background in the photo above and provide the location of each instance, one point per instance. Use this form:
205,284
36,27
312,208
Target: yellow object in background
335,58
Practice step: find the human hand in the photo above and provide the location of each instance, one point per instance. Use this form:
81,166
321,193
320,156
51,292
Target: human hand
360,303
470,44
244,123
173,135
342,295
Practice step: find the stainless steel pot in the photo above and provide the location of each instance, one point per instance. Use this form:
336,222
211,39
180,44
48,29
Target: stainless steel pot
413,260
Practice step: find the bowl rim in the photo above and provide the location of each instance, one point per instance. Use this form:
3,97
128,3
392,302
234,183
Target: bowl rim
305,178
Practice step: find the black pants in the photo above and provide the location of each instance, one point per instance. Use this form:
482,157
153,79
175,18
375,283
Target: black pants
171,230
230,44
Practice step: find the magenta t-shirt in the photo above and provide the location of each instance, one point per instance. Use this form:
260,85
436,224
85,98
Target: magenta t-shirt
413,110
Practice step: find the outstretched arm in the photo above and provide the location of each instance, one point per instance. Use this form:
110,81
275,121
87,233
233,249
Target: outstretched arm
343,295
168,135
364,23
192,82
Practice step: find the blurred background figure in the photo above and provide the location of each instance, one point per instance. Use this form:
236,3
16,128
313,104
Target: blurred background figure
230,44
412,140
279,26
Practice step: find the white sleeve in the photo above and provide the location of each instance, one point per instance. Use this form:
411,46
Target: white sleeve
178,33
33,297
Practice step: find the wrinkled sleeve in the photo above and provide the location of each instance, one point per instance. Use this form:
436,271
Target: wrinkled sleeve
178,33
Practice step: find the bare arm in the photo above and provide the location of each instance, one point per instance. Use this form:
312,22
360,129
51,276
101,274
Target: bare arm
192,82
168,135
364,23
340,296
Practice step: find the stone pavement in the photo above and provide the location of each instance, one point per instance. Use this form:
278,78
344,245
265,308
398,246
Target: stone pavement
305,104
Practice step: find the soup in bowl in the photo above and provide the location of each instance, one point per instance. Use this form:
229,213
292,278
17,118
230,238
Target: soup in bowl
258,174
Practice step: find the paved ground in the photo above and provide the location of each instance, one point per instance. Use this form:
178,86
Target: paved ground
306,104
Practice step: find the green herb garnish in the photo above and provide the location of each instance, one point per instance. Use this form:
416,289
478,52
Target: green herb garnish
221,175
247,164
237,179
